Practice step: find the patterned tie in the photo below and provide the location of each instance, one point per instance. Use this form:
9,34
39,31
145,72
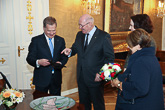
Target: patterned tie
51,46
86,43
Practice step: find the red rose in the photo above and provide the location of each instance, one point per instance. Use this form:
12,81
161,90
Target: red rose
102,75
113,74
110,67
116,64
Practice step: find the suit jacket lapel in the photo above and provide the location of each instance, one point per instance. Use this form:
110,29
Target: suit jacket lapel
94,37
46,46
82,41
56,43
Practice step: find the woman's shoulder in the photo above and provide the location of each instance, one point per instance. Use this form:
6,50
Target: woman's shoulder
153,43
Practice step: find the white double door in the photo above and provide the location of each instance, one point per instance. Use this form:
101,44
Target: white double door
14,33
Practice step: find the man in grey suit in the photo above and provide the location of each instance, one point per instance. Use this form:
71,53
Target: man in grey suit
45,49
92,55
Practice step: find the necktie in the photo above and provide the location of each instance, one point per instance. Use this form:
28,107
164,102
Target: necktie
51,46
86,43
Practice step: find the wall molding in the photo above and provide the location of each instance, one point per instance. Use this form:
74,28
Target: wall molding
68,92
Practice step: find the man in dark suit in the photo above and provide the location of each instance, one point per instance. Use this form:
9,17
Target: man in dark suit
93,48
45,50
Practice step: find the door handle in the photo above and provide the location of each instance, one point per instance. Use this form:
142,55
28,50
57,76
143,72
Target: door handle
19,49
3,60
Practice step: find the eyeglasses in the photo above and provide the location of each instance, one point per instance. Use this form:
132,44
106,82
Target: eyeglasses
81,26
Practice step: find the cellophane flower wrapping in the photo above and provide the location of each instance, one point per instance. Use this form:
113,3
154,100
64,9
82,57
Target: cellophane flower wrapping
110,71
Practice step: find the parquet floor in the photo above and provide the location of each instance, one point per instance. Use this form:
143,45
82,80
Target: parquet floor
110,96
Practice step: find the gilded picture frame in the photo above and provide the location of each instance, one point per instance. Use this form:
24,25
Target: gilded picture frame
117,15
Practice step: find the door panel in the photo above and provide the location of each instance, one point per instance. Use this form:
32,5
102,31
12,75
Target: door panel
25,71
7,42
14,33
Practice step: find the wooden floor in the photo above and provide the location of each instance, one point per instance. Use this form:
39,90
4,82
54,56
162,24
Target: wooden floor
110,96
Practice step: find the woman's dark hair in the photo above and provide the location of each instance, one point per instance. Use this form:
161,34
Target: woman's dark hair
139,36
142,21
49,20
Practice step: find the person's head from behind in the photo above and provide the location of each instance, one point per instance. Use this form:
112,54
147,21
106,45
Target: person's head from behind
138,39
86,23
49,26
141,21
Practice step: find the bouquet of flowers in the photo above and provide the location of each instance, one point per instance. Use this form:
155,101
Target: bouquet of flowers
10,97
109,71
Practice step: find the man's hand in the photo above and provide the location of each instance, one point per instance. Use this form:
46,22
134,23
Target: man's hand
44,62
59,62
97,78
66,51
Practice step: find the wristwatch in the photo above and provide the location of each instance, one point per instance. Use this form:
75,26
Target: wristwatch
118,85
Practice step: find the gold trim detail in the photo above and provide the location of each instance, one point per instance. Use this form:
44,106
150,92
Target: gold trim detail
29,8
3,60
31,84
19,50
123,47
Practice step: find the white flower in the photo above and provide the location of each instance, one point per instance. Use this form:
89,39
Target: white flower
13,100
12,95
19,100
106,73
105,67
10,90
23,95
117,68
